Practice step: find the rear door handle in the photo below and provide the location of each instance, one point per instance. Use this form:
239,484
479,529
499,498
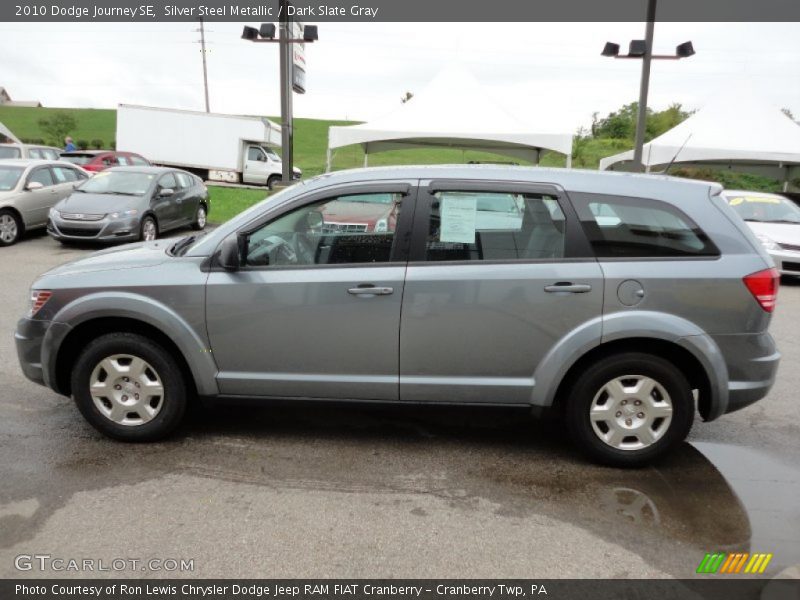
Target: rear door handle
568,287
370,290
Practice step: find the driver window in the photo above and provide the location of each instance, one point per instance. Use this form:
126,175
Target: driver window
256,153
351,229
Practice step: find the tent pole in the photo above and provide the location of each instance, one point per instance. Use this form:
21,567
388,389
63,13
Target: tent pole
366,155
328,160
569,160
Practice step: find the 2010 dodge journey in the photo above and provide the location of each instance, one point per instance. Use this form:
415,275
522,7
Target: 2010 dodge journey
623,302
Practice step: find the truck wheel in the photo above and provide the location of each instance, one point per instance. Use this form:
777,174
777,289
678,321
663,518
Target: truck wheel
129,388
629,409
10,228
273,181
200,218
149,229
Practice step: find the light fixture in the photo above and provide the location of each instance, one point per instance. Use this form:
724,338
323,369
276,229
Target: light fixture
637,48
610,49
310,33
267,31
249,33
684,50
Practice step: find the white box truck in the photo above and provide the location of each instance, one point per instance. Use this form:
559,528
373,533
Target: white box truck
216,147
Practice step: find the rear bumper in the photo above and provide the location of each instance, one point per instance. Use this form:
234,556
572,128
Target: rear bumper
752,361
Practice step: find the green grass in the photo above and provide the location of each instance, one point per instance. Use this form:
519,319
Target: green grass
92,123
228,202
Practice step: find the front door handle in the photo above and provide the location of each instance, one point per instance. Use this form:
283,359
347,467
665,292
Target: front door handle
569,287
370,290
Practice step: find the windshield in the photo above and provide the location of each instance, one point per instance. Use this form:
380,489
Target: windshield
9,152
271,153
9,176
765,209
78,159
118,182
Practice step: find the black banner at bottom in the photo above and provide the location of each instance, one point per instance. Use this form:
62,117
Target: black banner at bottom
712,588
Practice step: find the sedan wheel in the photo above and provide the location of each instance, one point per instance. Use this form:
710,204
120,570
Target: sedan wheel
126,389
9,228
200,218
149,229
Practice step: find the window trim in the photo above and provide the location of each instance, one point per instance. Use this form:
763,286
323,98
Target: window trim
402,233
586,198
576,248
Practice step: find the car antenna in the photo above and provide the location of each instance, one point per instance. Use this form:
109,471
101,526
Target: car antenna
666,171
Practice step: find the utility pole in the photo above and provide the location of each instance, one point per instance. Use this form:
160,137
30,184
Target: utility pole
205,67
641,117
286,64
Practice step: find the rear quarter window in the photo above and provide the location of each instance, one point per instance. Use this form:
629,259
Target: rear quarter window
626,227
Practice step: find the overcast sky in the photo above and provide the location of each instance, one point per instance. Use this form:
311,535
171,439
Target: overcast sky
550,71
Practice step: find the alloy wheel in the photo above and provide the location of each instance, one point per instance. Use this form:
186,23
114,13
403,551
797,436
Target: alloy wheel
201,217
8,228
149,230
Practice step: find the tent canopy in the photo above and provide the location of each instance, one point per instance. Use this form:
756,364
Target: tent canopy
5,131
731,132
453,111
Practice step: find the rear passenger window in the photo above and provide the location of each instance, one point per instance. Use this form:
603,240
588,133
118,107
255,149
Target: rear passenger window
65,174
139,161
639,228
495,226
124,161
35,153
168,182
42,176
184,180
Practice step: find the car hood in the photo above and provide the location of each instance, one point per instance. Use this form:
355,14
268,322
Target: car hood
96,204
782,233
128,256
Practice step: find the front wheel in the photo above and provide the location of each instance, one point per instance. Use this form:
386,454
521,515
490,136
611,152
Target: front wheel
10,228
149,229
200,218
129,388
272,181
630,409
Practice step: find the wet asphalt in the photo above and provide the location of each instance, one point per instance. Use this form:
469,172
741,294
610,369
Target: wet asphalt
290,490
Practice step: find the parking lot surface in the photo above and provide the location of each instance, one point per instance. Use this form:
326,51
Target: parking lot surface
291,490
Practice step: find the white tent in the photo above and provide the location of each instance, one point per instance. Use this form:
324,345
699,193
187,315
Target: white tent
731,132
7,133
453,111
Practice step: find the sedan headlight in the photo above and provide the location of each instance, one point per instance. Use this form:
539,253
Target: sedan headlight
125,213
769,244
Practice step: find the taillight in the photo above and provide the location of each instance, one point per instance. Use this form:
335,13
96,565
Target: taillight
764,287
38,300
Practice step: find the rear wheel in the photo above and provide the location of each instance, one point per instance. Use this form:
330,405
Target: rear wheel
129,388
149,229
10,228
630,409
200,218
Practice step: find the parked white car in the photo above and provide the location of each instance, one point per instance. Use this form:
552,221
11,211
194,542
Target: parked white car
776,222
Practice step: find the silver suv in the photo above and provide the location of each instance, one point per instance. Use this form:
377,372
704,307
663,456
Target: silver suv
622,302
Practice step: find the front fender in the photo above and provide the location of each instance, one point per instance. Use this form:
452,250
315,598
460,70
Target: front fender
192,346
627,325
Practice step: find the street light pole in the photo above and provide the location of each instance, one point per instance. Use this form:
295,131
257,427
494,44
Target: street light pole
641,117
205,67
286,92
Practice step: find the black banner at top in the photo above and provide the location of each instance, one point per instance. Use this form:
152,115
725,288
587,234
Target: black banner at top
399,10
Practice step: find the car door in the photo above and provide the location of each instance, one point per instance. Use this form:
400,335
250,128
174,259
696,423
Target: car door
189,197
65,178
499,272
256,166
36,204
315,311
163,203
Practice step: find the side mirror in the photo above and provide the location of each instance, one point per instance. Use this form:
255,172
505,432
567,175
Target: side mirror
314,220
33,186
229,256
166,192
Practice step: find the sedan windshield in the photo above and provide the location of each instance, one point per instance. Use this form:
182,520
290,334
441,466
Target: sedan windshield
129,183
765,209
9,176
9,152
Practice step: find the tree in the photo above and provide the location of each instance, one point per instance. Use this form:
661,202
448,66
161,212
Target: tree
57,127
621,124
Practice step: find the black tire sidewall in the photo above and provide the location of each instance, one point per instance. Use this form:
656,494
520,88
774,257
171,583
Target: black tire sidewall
174,400
271,181
587,385
18,221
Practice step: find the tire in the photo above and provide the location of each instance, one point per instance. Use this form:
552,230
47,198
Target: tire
631,428
272,181
144,229
11,228
111,409
200,217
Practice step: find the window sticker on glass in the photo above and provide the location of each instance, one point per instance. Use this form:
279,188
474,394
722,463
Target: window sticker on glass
458,219
757,199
